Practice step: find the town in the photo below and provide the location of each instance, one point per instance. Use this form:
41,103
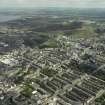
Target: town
52,64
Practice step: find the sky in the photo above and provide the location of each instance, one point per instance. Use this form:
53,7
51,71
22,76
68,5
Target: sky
53,3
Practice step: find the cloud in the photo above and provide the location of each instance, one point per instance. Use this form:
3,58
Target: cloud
56,3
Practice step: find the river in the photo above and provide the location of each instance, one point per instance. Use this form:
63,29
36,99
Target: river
5,18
